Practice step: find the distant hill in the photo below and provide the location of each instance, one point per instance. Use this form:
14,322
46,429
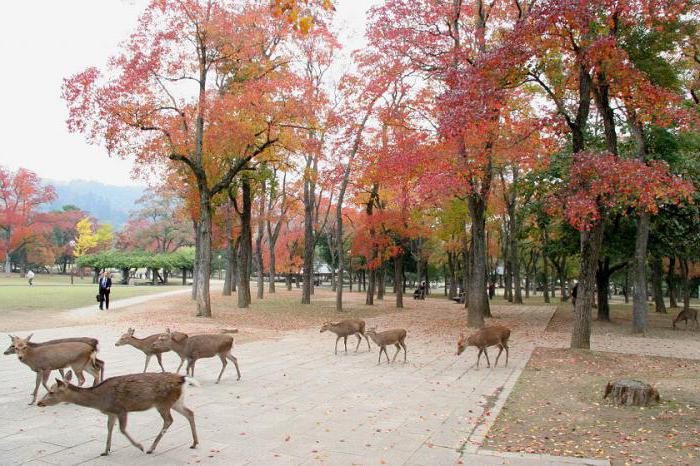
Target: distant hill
108,204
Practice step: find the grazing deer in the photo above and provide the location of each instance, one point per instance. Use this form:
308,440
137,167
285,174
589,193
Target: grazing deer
145,345
118,396
689,314
99,364
195,347
496,335
44,359
344,329
394,337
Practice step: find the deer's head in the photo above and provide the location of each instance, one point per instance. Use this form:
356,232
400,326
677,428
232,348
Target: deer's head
21,345
327,326
371,331
57,392
461,344
167,339
125,338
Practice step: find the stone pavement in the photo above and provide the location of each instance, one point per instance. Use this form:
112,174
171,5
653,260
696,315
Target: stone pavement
297,403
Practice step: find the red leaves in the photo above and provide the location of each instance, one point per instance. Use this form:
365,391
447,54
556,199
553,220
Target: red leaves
599,182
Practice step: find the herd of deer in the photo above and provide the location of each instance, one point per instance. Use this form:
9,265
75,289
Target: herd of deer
118,396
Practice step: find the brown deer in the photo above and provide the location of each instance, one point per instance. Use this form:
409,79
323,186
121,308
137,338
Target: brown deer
118,396
496,335
145,345
194,347
99,364
689,314
394,337
344,329
44,359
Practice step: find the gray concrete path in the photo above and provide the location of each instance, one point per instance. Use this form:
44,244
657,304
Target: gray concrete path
297,404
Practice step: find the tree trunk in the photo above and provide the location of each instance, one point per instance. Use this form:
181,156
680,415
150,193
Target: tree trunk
258,242
478,302
591,241
453,275
381,282
245,247
309,194
204,268
273,272
289,281
631,393
195,266
230,252
514,253
371,286
671,282
657,272
398,279
686,284
603,286
639,306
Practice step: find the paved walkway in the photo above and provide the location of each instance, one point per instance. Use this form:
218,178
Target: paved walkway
297,403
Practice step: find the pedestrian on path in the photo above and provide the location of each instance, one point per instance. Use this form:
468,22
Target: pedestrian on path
30,277
105,286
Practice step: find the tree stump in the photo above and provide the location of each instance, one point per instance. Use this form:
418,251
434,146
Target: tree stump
631,393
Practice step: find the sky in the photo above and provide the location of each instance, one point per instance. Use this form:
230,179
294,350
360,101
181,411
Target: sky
44,41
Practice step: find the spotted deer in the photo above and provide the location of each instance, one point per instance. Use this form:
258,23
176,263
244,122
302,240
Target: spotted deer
344,329
118,396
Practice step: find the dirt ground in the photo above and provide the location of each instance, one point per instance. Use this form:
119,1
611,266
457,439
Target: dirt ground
557,408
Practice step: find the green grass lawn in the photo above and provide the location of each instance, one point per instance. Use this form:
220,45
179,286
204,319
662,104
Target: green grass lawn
54,292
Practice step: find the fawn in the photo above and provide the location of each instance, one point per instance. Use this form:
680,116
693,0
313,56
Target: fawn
496,335
195,347
44,359
118,396
100,364
344,329
689,314
394,337
145,345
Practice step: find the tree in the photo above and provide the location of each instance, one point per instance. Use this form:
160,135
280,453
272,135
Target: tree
143,107
21,222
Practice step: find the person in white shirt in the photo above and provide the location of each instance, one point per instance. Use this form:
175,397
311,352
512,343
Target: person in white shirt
30,277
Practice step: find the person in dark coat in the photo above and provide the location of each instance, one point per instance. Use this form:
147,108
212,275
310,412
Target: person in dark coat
105,286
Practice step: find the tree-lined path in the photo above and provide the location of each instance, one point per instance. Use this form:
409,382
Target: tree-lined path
297,403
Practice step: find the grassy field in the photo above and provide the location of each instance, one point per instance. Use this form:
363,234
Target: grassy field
54,292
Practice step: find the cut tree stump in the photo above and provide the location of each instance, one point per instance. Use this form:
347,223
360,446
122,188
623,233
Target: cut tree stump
631,393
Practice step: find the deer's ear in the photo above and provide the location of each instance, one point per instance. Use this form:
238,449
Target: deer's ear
69,376
29,337
59,382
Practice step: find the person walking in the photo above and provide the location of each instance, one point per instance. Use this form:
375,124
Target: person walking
30,277
105,285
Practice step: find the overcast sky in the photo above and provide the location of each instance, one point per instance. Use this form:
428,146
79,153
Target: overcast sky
44,41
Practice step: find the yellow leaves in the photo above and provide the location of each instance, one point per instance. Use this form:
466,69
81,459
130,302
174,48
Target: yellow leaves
305,24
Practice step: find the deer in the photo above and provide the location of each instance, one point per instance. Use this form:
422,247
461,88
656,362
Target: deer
99,364
43,359
194,347
689,314
344,329
145,345
118,396
496,335
394,337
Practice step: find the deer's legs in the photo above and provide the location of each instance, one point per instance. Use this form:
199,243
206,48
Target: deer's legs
224,362
500,350
190,367
379,361
39,376
505,345
182,361
122,428
235,363
111,419
359,340
159,357
148,359
369,348
44,377
167,422
345,339
336,344
100,365
486,353
180,407
398,348
478,357
404,350
60,371
79,373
